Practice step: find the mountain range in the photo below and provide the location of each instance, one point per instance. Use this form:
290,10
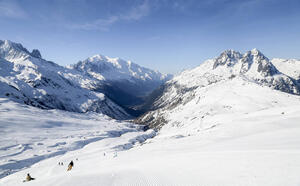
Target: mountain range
232,82
100,84
122,89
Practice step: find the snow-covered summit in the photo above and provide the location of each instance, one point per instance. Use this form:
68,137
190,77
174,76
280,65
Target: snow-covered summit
10,50
26,77
256,63
107,68
252,65
228,57
251,62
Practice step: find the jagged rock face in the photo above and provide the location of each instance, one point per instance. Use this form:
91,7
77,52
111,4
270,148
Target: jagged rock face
228,58
255,66
26,77
260,64
10,50
252,67
36,53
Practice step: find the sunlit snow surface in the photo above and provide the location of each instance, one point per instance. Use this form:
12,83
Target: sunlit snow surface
290,67
29,135
254,144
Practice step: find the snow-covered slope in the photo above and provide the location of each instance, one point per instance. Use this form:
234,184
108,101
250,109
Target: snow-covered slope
29,135
256,148
119,77
290,67
27,78
232,82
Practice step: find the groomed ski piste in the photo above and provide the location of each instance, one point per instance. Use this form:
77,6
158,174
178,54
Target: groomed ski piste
255,140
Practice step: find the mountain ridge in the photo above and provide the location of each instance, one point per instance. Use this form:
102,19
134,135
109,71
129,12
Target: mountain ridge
105,68
27,78
121,87
118,85
231,66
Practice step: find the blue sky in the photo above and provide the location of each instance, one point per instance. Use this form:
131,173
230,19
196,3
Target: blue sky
166,35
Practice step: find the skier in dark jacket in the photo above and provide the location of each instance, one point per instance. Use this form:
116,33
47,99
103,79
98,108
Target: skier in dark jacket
70,166
28,178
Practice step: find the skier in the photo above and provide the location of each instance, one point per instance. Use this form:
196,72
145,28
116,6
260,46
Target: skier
70,166
28,178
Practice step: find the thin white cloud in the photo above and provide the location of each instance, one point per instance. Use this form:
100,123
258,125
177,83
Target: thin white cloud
11,9
134,14
99,24
137,13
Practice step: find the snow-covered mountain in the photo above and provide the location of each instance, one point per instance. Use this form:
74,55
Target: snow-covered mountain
116,69
26,77
290,67
230,83
227,122
119,77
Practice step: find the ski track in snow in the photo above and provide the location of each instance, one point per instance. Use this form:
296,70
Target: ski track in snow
256,148
46,134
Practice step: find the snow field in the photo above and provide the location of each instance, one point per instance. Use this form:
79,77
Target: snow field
258,148
30,135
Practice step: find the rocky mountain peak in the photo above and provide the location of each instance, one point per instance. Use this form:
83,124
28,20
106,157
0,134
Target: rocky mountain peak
228,57
256,61
96,58
9,50
255,51
36,53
